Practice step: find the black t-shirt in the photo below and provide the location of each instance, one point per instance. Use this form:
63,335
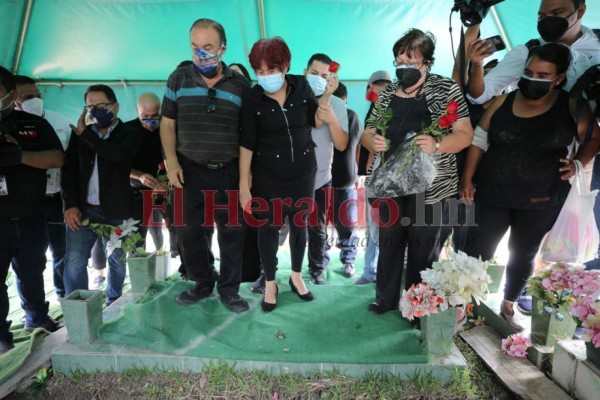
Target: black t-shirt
26,185
402,123
520,169
150,153
344,169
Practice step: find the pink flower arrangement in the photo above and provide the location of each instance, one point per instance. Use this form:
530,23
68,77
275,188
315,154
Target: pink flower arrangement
587,310
516,345
421,300
586,283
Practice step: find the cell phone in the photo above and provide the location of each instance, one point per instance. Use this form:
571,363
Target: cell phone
497,44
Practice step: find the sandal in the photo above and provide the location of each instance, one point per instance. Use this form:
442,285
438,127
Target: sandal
515,321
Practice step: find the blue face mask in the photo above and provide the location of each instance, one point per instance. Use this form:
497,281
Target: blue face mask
271,83
102,118
317,84
151,124
208,62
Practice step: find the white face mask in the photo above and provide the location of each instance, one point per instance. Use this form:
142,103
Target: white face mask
317,84
33,106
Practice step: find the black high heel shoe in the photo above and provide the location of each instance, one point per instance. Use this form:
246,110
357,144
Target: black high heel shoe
268,307
308,296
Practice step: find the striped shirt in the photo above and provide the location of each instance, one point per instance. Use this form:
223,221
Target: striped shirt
438,92
202,135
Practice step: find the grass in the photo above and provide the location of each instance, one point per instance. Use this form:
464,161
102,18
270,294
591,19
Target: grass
220,381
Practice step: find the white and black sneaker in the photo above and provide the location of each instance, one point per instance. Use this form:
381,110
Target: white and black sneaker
349,270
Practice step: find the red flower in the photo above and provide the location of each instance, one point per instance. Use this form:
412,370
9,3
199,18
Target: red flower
445,122
162,166
452,107
334,67
452,118
118,231
372,96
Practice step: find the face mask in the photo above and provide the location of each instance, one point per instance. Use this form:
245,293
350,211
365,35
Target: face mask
208,63
102,118
552,29
33,106
7,107
271,83
151,124
408,75
317,84
534,89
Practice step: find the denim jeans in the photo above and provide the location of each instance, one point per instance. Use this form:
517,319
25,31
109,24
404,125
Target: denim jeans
23,243
79,247
345,217
56,239
372,248
595,264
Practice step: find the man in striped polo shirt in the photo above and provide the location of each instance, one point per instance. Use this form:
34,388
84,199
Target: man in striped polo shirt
199,131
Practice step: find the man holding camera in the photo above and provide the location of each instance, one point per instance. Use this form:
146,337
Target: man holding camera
558,21
28,147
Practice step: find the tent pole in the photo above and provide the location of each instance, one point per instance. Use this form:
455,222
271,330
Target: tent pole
22,35
261,17
122,82
500,26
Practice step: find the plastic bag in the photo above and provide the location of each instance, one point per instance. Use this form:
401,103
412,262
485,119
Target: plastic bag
574,236
407,170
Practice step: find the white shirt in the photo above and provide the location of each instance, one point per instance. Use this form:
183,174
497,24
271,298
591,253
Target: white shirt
63,131
585,53
93,193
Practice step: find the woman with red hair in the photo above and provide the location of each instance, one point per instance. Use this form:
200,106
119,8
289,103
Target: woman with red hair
277,160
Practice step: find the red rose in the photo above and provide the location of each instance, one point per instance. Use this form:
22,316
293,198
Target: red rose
452,118
444,122
452,107
162,166
334,67
118,231
372,96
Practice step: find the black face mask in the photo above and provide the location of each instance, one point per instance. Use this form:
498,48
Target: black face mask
534,89
408,76
552,29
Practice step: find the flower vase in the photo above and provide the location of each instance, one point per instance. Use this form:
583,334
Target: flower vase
82,310
549,324
592,353
496,272
162,267
142,271
437,331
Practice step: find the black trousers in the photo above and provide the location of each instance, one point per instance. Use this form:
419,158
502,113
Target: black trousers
527,229
268,237
57,242
317,233
408,225
205,198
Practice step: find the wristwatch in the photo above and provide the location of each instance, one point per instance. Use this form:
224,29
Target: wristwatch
438,144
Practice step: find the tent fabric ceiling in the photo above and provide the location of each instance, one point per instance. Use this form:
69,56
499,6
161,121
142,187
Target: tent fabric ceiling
143,40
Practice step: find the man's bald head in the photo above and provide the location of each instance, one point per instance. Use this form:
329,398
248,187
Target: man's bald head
148,105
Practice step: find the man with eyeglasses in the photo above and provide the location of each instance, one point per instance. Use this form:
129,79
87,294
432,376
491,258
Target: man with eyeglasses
28,147
200,136
95,183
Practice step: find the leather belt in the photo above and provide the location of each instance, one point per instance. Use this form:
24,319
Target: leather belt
216,165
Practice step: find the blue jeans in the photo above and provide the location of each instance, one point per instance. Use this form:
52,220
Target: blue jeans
56,240
372,248
79,247
595,264
345,217
23,243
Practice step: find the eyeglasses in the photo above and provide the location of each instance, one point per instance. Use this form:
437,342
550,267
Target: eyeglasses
99,106
210,105
397,64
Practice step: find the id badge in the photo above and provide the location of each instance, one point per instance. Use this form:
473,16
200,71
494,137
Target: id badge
3,186
53,180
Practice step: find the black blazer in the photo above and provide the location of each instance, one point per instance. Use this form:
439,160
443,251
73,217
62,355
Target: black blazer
115,158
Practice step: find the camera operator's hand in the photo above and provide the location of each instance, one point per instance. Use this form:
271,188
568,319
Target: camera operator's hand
477,51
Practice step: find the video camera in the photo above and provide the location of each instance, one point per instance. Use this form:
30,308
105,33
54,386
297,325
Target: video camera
472,12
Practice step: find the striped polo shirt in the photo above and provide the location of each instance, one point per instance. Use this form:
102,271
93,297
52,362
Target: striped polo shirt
207,129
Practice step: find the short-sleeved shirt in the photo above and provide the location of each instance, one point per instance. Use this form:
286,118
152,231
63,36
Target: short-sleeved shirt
26,185
322,138
204,135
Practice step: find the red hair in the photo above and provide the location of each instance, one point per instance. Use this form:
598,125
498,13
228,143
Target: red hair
273,52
